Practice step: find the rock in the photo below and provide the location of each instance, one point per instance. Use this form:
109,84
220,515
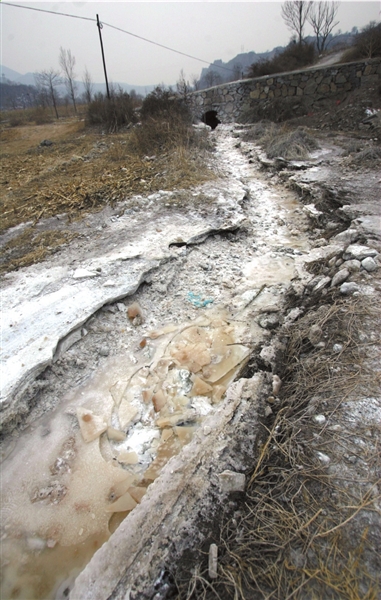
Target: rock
84,273
324,459
268,411
353,265
337,348
134,313
340,277
312,211
268,321
348,288
315,334
230,481
319,419
104,351
213,561
369,264
347,237
276,384
46,143
359,252
321,284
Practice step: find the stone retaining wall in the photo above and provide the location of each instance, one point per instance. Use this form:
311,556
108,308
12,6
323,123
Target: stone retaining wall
230,100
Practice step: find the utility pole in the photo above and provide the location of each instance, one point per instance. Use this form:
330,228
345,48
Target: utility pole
99,25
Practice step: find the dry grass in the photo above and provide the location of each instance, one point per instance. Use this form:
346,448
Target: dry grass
304,531
371,154
84,170
31,247
279,141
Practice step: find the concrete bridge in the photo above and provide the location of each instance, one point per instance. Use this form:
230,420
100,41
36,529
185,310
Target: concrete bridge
301,91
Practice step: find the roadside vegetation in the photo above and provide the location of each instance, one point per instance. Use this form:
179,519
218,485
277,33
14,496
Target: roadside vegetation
294,57
367,44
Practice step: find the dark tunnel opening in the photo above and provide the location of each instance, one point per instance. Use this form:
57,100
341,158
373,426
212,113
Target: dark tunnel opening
210,118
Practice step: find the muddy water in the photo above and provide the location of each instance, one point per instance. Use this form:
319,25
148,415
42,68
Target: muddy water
72,478
103,448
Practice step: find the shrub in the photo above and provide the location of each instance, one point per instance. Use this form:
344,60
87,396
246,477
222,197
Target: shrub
367,43
112,113
41,116
165,123
294,57
17,119
292,145
280,141
163,104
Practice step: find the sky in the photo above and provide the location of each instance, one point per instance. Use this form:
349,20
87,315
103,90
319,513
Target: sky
31,41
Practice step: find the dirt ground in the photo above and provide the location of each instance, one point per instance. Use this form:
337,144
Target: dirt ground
308,524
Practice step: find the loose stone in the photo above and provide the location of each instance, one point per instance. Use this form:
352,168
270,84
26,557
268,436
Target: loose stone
353,265
369,264
319,419
315,334
359,252
348,288
213,561
347,237
340,277
322,284
230,481
276,384
324,459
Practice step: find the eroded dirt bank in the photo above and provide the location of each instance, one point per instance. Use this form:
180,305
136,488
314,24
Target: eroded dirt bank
240,257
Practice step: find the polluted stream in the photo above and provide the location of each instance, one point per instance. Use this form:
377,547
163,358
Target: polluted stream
153,365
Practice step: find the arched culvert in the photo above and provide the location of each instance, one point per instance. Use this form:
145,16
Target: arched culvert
211,119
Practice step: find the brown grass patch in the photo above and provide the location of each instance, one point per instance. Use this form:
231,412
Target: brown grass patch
84,170
30,247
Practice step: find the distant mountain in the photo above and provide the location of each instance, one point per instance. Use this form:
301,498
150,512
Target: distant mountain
9,75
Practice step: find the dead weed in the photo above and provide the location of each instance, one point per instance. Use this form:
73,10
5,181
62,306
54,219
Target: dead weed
280,141
306,531
82,171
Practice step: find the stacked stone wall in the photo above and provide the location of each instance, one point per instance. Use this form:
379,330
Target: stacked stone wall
231,100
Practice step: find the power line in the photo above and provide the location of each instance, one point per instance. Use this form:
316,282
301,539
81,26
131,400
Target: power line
162,46
52,12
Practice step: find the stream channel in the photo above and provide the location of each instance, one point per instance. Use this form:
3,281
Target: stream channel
138,333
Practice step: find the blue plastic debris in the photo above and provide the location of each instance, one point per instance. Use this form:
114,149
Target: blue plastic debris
197,300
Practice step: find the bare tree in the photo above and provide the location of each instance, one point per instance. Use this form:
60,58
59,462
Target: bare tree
88,85
195,82
322,18
47,82
183,86
212,78
295,13
67,64
237,71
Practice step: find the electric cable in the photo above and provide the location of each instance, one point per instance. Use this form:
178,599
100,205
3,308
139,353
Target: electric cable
52,12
